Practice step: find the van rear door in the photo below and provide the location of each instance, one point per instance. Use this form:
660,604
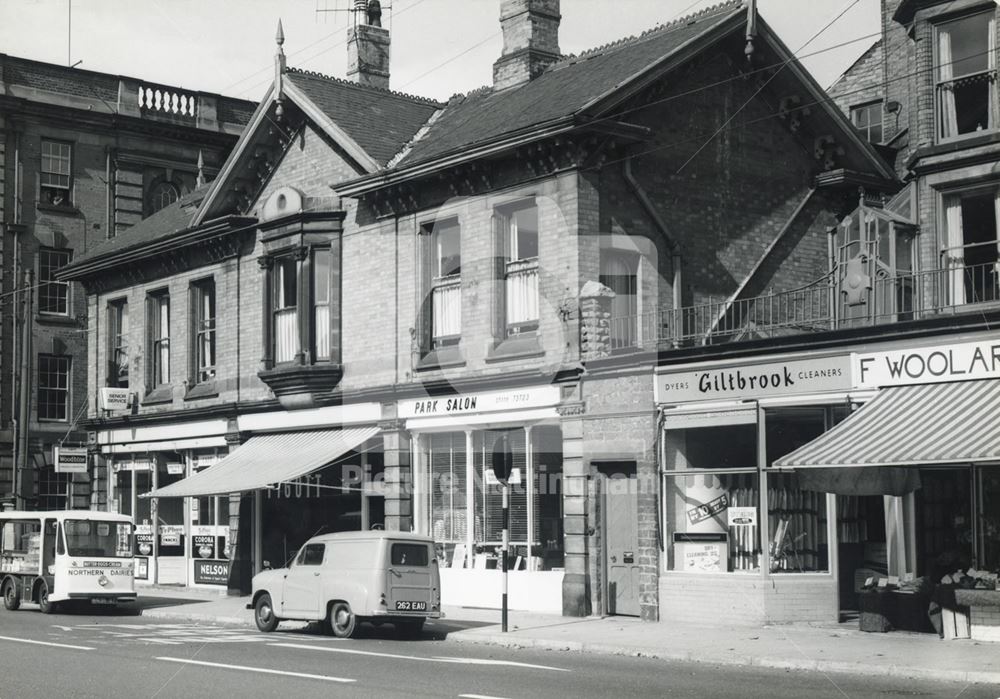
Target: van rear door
410,579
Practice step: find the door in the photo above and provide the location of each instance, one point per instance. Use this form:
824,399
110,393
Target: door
410,577
300,595
621,537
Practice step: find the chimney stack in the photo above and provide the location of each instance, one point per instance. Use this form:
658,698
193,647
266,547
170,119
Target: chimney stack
368,46
530,41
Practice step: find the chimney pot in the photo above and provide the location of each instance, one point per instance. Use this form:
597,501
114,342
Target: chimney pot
368,47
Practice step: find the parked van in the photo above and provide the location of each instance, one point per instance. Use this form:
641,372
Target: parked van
63,556
345,578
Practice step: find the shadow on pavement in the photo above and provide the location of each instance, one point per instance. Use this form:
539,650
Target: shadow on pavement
436,630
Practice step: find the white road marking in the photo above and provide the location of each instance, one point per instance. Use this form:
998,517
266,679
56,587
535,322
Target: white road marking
64,628
44,643
478,696
265,671
436,659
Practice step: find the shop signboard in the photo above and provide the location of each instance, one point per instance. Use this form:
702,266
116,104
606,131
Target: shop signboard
175,469
70,459
471,403
114,400
767,379
211,572
965,361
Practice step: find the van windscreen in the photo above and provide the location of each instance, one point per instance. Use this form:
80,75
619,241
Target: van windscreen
409,554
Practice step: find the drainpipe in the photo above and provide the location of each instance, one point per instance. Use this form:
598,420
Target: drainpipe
661,226
24,393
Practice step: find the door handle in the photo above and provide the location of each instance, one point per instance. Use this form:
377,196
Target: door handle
395,572
316,574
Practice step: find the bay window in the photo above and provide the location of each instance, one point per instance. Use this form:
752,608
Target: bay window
446,283
285,293
158,314
203,330
965,74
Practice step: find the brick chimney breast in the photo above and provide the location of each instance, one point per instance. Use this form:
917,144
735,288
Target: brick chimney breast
530,41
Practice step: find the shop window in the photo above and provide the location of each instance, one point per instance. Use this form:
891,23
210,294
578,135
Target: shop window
867,118
158,324
989,518
445,283
535,499
965,73
53,387
53,489
797,518
203,330
53,295
55,175
970,253
711,499
517,239
619,272
170,511
162,194
118,362
944,521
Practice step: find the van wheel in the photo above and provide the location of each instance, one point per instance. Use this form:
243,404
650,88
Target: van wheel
44,605
11,600
341,620
263,614
411,628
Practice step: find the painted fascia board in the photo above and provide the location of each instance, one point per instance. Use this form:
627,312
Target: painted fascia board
330,127
641,78
824,101
220,182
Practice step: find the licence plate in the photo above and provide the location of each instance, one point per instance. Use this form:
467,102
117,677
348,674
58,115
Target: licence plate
103,600
405,606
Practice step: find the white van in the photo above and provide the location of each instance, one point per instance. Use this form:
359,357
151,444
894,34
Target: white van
345,578
61,556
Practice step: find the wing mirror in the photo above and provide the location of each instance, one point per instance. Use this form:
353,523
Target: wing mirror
267,565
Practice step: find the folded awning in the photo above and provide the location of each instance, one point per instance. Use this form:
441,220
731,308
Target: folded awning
267,460
903,427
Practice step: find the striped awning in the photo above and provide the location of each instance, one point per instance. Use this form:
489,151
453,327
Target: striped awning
930,424
267,460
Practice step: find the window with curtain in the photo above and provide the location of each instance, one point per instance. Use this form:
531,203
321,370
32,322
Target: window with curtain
965,75
118,344
619,272
285,304
159,339
203,329
446,282
972,251
517,228
448,474
321,270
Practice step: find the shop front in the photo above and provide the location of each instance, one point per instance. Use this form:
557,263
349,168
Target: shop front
210,511
457,499
793,486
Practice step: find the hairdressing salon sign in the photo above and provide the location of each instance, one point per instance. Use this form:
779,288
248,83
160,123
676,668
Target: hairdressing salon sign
944,363
831,373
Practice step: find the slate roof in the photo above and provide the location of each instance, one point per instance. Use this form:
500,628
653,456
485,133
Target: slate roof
562,90
380,121
171,219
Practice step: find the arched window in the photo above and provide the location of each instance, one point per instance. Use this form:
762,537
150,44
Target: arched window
162,194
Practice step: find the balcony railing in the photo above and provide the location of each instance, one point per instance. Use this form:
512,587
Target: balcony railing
821,306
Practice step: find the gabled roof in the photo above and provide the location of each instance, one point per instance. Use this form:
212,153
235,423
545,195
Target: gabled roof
380,121
568,87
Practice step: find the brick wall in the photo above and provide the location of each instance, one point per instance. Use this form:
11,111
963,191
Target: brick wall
734,600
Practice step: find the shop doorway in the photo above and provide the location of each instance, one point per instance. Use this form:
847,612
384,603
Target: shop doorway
862,549
620,528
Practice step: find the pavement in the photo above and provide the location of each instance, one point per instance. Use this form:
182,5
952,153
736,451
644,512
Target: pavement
828,648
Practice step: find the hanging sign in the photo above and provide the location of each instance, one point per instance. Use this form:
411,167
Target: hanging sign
114,400
70,459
